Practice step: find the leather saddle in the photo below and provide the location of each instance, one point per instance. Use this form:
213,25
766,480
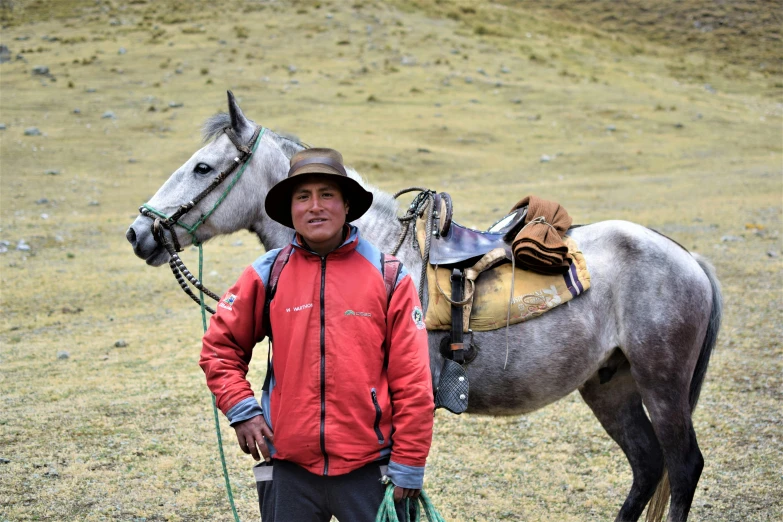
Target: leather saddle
466,252
456,246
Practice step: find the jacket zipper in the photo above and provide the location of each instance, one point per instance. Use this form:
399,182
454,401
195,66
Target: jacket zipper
323,368
378,413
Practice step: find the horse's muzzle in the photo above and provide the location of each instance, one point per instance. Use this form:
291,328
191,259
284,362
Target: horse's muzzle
140,236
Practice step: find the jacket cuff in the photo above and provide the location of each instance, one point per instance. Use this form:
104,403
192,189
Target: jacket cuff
243,410
408,477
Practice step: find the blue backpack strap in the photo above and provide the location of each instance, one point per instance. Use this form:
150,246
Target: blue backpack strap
274,276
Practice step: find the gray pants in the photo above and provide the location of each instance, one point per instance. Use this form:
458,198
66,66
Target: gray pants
293,494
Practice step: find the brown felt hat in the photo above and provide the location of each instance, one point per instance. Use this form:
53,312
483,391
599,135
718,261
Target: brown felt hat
316,162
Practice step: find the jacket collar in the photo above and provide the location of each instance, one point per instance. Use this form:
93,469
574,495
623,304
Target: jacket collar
349,244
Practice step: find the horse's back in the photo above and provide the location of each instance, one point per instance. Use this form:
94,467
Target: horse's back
622,247
656,290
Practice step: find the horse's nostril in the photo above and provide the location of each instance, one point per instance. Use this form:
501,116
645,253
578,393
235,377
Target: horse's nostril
130,235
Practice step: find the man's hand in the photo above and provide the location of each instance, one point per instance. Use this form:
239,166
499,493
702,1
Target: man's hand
250,435
401,493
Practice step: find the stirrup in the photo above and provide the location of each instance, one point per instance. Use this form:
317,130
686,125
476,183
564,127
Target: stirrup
453,388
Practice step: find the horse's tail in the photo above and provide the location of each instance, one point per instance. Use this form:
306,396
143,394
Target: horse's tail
657,507
711,338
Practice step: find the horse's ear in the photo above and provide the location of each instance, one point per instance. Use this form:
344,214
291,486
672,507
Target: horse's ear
239,122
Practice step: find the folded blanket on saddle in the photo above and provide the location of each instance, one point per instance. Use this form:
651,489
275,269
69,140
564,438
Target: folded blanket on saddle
538,243
533,293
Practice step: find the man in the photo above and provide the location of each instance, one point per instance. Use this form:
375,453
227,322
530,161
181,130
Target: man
349,394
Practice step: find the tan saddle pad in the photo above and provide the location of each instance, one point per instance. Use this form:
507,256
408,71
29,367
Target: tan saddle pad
533,294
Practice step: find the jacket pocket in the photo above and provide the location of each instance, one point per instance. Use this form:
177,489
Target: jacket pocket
378,414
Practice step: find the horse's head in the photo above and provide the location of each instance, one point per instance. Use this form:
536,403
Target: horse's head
196,204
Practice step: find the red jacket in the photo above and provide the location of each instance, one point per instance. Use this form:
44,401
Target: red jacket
348,371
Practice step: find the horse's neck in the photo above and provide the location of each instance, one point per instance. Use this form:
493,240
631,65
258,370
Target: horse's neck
268,169
379,225
272,234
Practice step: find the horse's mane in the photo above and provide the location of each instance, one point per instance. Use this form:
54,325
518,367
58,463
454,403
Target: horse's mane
289,143
383,203
215,124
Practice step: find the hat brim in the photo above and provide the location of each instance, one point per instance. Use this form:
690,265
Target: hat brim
278,200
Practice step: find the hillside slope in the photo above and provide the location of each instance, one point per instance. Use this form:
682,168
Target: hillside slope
102,100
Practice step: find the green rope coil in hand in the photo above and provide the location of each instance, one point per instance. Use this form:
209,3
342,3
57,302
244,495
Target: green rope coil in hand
387,512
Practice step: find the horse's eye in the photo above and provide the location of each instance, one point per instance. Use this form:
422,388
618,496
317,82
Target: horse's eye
202,168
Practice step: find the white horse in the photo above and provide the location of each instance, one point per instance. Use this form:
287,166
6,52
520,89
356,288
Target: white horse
641,337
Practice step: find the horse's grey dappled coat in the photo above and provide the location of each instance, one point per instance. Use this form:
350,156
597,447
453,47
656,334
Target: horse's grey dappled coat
640,338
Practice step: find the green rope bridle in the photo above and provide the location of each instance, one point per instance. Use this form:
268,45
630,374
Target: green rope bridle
161,222
175,219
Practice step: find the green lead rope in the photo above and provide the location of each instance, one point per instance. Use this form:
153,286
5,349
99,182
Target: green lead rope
214,402
387,512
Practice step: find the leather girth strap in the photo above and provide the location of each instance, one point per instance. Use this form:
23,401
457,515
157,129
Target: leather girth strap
457,344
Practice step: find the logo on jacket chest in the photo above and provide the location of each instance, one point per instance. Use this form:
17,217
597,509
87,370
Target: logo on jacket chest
358,314
299,308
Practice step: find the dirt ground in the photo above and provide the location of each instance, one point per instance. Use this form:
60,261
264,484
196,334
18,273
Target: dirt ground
105,415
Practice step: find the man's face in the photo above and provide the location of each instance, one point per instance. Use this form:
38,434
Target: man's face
318,212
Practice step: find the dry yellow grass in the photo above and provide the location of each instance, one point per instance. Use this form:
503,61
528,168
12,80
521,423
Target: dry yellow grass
409,97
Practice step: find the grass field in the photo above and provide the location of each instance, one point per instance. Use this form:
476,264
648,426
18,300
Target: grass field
647,121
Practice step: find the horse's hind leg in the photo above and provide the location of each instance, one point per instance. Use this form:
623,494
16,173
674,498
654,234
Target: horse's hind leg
618,405
670,413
